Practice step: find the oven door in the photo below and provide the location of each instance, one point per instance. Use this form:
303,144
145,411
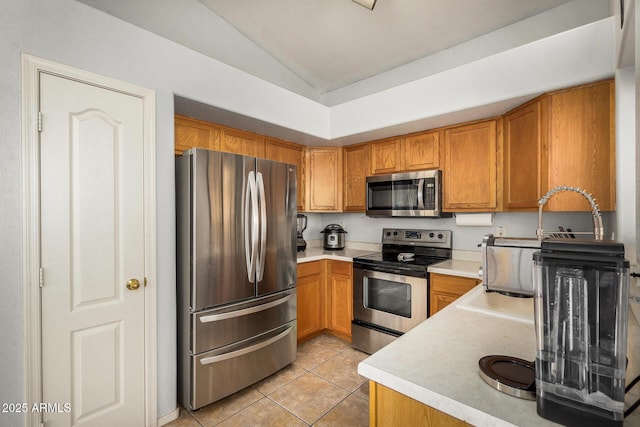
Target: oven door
391,301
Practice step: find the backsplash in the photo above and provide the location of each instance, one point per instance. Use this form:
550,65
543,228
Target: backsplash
361,228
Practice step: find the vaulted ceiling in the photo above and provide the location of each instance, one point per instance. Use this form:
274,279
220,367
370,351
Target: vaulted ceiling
333,51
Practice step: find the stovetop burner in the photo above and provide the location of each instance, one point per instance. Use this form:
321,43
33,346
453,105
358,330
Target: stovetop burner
410,249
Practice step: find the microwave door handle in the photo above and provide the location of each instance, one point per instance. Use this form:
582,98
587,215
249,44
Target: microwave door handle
421,194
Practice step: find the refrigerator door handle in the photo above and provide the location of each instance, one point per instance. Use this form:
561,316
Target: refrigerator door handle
251,227
250,349
263,226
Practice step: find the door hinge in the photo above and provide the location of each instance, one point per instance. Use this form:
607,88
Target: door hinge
39,121
41,277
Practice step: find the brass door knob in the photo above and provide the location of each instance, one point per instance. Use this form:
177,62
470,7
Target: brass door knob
133,284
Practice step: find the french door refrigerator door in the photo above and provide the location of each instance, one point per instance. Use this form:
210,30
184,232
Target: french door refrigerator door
276,264
223,199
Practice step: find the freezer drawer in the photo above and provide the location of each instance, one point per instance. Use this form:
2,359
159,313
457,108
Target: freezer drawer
223,326
219,373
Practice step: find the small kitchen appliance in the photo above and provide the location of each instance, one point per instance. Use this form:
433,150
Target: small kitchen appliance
391,288
334,236
581,311
301,226
507,264
411,194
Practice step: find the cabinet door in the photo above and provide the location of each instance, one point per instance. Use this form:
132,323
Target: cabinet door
341,297
324,186
385,157
387,407
524,130
241,142
355,178
193,133
470,167
446,289
421,151
310,292
288,152
582,146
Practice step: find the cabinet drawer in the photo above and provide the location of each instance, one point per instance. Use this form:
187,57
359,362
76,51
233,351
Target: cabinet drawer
308,268
341,267
452,284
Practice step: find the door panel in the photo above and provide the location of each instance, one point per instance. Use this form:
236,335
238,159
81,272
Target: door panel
92,243
219,214
280,213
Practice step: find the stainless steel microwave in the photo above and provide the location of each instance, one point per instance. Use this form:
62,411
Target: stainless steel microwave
412,194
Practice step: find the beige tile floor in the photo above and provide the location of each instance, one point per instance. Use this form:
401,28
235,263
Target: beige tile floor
321,388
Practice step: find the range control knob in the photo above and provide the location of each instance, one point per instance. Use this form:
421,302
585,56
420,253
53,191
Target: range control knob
440,236
431,235
388,233
395,233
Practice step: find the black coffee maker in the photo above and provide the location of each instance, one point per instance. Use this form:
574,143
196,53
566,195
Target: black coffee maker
581,310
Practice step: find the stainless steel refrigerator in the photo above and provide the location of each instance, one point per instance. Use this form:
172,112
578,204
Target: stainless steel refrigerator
236,272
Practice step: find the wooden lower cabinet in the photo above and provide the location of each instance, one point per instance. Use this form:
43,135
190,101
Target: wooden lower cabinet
446,289
341,312
387,407
311,298
325,298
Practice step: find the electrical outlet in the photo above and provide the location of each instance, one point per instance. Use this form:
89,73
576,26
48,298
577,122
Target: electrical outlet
501,232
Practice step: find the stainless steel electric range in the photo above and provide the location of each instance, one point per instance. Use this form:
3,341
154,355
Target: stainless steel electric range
391,288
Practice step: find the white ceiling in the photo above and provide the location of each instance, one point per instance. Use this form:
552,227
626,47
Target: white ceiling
333,43
334,51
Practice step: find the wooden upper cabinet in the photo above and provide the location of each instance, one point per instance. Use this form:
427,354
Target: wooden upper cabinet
241,142
563,138
355,159
421,151
288,152
524,151
324,183
470,173
190,133
385,156
582,146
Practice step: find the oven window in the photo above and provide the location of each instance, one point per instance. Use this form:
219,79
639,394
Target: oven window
387,296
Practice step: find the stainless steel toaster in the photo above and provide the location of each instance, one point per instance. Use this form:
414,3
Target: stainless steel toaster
507,264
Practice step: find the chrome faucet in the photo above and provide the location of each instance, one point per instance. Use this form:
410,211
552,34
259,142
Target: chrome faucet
598,229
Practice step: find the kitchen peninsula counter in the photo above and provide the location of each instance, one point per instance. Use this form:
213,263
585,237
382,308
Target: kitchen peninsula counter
436,363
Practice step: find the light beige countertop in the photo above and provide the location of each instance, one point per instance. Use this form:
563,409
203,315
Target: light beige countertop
318,253
436,363
456,267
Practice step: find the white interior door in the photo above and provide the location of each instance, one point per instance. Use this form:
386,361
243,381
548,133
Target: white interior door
92,244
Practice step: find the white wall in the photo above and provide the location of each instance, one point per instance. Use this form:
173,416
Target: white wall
74,34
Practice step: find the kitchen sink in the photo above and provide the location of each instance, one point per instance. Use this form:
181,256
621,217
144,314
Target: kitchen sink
495,304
